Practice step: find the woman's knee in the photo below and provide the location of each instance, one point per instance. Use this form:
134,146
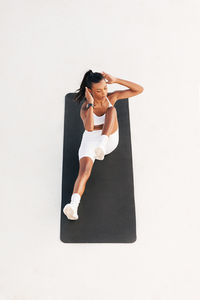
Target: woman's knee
112,110
86,165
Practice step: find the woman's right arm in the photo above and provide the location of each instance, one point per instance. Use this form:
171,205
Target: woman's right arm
87,117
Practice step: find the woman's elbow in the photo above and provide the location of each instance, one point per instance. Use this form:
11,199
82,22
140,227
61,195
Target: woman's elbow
89,128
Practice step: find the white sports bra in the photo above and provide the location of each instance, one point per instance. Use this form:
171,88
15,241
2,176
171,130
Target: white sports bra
98,120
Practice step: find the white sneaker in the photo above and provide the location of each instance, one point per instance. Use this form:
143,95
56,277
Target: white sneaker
70,210
99,153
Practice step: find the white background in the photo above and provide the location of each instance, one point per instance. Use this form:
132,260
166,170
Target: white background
46,48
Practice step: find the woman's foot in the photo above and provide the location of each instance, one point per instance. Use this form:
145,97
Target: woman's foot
99,153
70,210
101,148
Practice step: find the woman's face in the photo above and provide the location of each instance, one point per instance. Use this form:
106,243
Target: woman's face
99,90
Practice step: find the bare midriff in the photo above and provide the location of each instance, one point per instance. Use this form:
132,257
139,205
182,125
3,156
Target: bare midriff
96,127
99,127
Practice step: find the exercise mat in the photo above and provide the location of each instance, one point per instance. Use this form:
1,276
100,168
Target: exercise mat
107,206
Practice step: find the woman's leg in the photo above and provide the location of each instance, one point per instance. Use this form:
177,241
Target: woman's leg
85,168
111,123
110,126
70,209
113,142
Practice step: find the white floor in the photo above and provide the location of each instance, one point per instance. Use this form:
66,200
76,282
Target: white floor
46,48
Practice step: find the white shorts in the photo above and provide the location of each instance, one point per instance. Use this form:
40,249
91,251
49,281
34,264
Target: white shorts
90,140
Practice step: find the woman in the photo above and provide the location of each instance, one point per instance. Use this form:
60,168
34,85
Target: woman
101,135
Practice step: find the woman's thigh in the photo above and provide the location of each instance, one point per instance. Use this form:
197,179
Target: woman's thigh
89,142
113,142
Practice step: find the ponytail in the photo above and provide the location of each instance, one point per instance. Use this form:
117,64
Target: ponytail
87,81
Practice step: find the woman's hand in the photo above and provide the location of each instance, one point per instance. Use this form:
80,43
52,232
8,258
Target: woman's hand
88,96
110,78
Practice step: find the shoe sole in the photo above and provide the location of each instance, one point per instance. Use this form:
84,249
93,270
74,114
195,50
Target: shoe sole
99,153
69,213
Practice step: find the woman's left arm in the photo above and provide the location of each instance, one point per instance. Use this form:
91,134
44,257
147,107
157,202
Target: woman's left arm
134,88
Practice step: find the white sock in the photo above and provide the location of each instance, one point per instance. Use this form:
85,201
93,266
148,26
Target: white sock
75,199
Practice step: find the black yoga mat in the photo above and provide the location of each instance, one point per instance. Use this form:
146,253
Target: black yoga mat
107,207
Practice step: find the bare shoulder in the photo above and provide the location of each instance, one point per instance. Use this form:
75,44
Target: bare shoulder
112,98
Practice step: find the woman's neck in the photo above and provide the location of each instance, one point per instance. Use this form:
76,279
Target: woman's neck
99,102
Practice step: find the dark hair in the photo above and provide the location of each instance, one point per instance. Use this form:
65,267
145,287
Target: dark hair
88,79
